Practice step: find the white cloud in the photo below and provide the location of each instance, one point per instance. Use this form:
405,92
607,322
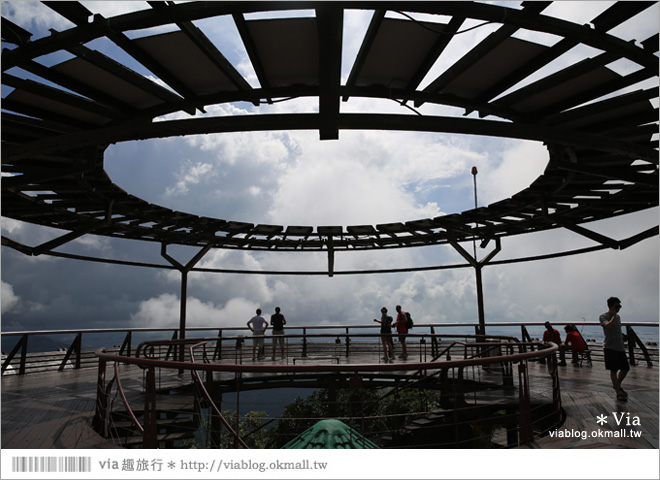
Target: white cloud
520,165
9,299
163,312
10,225
191,174
34,16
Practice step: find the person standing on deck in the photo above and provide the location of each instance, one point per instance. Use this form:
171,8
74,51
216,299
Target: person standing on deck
401,325
277,321
258,325
616,360
386,334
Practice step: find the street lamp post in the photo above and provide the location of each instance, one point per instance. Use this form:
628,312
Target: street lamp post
477,267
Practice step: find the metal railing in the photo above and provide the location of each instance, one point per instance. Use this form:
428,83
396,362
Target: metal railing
495,352
75,353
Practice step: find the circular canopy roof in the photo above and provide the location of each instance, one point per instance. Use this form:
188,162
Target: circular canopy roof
59,119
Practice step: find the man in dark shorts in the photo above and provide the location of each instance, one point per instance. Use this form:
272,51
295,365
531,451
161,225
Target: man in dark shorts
616,360
277,321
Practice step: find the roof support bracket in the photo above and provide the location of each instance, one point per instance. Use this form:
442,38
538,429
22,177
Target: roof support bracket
331,257
585,232
471,259
184,269
66,238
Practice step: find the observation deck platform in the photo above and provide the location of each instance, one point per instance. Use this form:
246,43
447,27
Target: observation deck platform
55,409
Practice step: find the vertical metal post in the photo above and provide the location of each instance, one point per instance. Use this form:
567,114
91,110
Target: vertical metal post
525,430
631,344
24,346
101,412
217,355
474,176
238,408
184,269
150,434
182,312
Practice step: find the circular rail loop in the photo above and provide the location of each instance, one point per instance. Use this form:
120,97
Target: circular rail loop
332,368
603,160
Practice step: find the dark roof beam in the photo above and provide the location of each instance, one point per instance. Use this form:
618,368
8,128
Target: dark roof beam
613,173
68,123
130,47
79,15
619,13
482,49
525,71
61,96
603,90
81,88
251,50
330,21
75,12
111,66
112,134
365,47
602,106
34,123
78,232
44,175
440,45
211,51
567,74
12,33
652,44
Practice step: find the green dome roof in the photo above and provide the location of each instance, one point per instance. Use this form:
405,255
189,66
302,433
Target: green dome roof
330,433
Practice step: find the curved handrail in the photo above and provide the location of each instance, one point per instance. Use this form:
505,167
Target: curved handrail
186,341
355,367
123,397
206,394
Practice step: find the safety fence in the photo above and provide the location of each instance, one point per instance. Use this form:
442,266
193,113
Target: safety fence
474,392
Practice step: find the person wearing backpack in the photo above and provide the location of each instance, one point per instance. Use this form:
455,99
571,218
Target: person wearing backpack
403,324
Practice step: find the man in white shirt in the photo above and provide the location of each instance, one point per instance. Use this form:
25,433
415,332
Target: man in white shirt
258,325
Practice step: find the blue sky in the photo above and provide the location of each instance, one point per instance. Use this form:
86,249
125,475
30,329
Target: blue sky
292,178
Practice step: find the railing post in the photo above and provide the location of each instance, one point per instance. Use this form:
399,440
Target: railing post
632,334
525,431
175,336
127,344
217,354
75,346
22,343
631,344
507,371
150,434
524,335
304,345
434,343
100,421
78,342
632,340
348,342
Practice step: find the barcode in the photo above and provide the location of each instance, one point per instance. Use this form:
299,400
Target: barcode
51,464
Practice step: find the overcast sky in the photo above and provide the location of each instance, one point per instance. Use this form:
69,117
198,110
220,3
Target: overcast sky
292,178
